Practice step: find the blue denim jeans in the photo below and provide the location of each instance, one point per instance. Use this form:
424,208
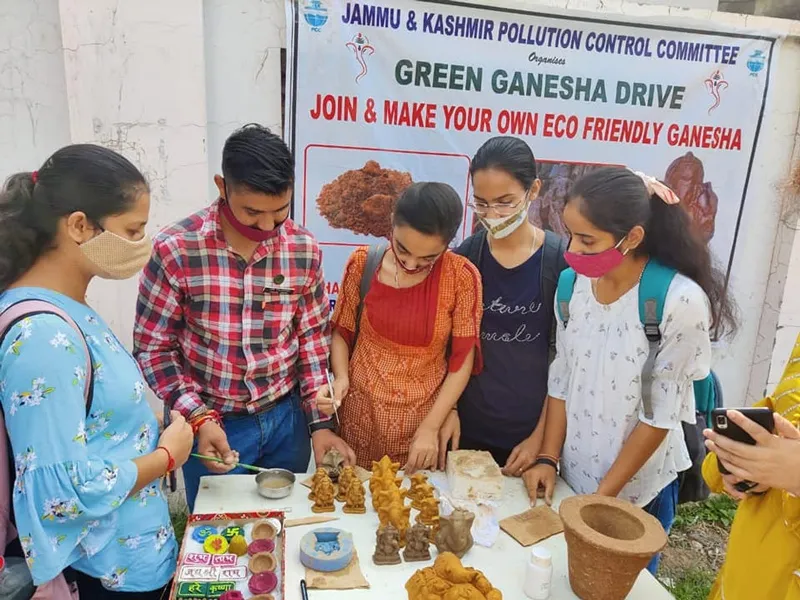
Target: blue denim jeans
273,438
663,507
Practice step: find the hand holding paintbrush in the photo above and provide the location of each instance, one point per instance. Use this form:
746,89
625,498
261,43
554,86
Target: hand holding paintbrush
329,397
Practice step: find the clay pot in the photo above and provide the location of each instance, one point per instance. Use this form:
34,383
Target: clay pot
609,542
264,530
260,546
263,562
262,583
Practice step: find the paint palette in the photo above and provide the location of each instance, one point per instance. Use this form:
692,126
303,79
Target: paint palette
231,552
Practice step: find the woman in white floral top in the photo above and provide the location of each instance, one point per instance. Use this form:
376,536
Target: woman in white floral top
87,496
596,424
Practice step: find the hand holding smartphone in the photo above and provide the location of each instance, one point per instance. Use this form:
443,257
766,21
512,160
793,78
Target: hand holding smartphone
725,427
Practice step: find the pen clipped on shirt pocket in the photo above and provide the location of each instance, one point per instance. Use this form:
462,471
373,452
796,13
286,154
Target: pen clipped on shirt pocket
274,295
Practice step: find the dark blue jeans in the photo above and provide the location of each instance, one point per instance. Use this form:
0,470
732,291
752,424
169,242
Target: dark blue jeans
663,507
273,438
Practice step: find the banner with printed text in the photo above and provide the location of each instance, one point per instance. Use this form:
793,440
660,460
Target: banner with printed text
383,95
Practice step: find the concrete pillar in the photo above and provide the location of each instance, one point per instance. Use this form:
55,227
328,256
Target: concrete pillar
135,82
248,34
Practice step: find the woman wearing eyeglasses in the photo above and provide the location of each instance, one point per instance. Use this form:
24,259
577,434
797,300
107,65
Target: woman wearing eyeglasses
398,379
502,408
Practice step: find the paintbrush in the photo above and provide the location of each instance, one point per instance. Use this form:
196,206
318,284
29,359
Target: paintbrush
329,377
219,460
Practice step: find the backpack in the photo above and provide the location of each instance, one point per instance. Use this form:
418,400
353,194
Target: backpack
374,257
653,288
553,264
58,588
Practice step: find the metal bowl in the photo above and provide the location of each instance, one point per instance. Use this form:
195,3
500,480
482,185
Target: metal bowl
275,483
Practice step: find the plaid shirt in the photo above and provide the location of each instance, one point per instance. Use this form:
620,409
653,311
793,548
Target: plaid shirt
215,330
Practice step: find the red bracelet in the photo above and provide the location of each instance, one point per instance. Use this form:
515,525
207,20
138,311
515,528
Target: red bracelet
170,460
201,420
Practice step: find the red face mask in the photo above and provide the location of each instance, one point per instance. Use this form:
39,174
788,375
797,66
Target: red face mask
596,265
251,233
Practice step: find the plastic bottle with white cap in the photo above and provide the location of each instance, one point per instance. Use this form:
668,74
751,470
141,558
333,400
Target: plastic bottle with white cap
539,574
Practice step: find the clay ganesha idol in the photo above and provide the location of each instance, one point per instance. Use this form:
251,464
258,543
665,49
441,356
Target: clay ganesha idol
455,532
448,579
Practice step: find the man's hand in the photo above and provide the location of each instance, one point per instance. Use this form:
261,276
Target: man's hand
423,451
323,440
774,460
212,441
449,432
324,402
522,457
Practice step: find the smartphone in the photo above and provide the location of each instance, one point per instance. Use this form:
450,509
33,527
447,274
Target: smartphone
724,426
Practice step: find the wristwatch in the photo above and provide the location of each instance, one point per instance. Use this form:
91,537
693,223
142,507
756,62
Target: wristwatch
319,425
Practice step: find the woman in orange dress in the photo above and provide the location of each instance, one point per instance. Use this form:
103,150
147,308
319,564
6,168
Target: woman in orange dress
417,342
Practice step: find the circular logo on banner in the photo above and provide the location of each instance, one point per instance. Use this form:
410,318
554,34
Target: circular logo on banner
755,63
315,14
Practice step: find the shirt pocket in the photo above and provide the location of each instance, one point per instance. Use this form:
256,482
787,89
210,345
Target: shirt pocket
278,310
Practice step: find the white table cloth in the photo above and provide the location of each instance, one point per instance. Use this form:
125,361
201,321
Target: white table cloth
503,564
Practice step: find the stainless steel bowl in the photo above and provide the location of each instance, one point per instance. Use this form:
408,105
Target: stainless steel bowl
275,483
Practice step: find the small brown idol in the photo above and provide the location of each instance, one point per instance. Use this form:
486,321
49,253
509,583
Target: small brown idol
418,540
387,546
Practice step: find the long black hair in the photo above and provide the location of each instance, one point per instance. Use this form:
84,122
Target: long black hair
431,208
508,154
616,200
79,178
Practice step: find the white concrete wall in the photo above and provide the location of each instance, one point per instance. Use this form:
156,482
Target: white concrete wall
703,4
165,82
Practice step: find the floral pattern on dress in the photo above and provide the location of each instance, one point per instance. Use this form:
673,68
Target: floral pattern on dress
60,510
598,373
23,461
23,334
77,470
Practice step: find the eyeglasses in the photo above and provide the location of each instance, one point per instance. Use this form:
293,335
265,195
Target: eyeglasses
501,209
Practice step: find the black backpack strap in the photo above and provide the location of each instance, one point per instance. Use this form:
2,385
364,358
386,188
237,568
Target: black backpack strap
374,257
472,247
553,263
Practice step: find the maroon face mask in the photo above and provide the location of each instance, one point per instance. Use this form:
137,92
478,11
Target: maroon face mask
596,265
251,233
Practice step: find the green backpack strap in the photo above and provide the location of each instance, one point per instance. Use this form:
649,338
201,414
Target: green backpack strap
653,288
564,290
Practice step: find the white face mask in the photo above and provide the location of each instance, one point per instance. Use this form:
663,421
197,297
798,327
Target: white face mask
505,226
115,257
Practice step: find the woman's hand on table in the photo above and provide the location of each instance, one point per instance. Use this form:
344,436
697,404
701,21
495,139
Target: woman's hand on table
774,460
522,457
540,481
212,441
325,403
423,451
450,433
177,438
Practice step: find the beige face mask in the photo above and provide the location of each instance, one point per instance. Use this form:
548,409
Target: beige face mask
115,257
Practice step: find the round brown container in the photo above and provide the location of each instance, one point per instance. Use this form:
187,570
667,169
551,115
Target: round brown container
609,542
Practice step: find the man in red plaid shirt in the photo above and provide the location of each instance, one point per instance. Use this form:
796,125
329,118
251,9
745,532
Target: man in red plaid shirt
232,325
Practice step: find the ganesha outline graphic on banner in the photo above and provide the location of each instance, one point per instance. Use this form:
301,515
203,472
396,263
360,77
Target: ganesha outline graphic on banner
361,49
715,84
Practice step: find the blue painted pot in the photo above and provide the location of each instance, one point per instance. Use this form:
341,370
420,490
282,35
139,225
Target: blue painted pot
326,549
